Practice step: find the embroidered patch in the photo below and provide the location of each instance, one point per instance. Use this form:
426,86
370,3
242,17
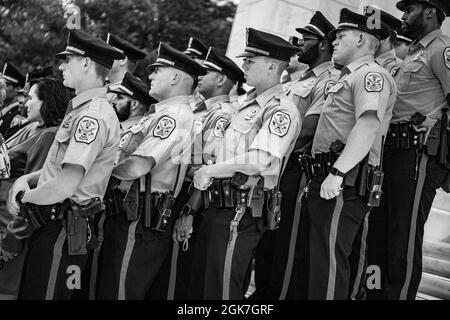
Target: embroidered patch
164,127
220,127
125,138
374,82
251,114
67,121
394,71
87,130
447,57
280,123
328,86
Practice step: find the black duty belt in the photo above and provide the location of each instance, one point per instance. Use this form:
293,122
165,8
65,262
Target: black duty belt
319,166
293,161
222,194
404,136
40,215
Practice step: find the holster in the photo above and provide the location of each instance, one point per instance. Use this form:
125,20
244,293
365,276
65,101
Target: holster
78,231
162,216
272,216
375,183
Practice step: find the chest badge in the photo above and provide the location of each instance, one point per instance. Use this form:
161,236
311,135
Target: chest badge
251,114
67,121
418,55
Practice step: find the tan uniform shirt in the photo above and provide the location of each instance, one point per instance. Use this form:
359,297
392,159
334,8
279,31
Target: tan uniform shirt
308,93
166,136
368,87
88,136
389,61
423,80
269,122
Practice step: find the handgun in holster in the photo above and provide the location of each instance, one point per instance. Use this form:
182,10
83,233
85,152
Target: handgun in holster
273,216
306,163
131,203
375,181
163,213
77,231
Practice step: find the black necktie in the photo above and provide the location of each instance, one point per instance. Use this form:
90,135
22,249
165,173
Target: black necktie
344,71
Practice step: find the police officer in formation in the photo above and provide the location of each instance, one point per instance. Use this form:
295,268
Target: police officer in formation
168,191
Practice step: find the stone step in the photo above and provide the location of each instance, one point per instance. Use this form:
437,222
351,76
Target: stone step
437,226
436,249
436,266
435,286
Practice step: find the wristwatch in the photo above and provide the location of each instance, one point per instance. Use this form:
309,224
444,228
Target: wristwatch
336,172
19,196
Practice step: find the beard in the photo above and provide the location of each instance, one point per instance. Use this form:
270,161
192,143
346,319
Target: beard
124,112
414,27
308,57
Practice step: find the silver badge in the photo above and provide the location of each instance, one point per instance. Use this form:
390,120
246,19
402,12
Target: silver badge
251,114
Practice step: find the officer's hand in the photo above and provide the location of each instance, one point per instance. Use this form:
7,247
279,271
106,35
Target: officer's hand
184,229
7,256
21,184
331,187
201,180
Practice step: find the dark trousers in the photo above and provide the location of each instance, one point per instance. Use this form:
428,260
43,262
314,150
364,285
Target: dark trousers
132,256
272,252
210,271
49,272
395,231
333,225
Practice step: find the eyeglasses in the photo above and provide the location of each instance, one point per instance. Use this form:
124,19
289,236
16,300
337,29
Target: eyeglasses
301,41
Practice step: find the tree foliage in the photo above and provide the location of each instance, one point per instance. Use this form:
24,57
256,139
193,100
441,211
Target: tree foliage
32,31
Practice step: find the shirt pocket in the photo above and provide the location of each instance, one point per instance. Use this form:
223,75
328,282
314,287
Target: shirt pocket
410,71
62,138
330,102
243,136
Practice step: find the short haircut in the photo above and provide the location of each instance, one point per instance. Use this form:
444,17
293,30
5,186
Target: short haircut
101,70
55,97
374,42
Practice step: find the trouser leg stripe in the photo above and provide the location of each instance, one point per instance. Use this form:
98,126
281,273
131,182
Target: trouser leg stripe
362,258
94,268
126,259
173,271
57,253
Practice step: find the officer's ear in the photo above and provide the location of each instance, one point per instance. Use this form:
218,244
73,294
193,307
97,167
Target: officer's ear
124,61
361,38
221,80
87,63
175,77
430,12
134,105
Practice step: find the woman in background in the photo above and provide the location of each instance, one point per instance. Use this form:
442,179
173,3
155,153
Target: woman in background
46,106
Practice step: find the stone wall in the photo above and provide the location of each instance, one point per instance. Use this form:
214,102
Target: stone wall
283,16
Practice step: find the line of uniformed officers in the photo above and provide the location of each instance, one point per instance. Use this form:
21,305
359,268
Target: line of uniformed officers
181,189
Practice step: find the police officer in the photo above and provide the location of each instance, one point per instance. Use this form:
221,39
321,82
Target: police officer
272,274
388,24
59,201
128,64
132,100
416,155
15,79
258,139
221,75
151,168
348,137
196,49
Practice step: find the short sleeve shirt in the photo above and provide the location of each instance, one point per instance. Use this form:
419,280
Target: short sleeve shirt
389,61
269,122
423,80
166,136
309,92
89,137
368,87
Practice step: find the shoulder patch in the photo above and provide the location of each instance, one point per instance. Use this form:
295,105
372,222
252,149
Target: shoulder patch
447,57
394,71
328,86
87,130
220,126
373,82
279,123
164,127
